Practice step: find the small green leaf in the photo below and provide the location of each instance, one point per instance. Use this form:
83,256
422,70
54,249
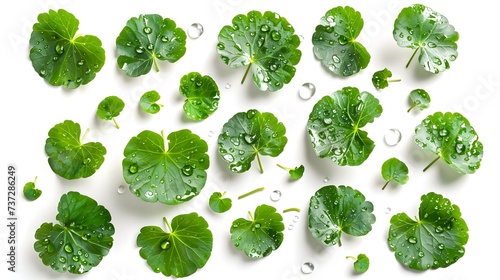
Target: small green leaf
30,191
181,251
265,43
420,28
394,170
202,95
68,156
334,126
380,79
148,102
171,175
420,99
109,108
218,203
451,137
259,236
333,210
248,134
146,39
82,238
335,43
436,239
59,55
295,173
361,263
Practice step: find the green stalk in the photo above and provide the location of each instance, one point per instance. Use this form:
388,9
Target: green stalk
251,192
385,185
260,163
156,64
412,106
85,135
284,167
222,195
430,164
351,257
246,73
394,80
34,181
164,142
116,124
291,209
168,225
414,53
250,215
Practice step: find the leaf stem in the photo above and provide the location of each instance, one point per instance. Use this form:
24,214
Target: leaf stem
340,242
223,194
85,135
385,185
260,163
156,64
251,192
351,257
34,181
393,80
291,209
285,167
116,124
430,164
414,53
246,73
412,106
168,225
250,214
164,142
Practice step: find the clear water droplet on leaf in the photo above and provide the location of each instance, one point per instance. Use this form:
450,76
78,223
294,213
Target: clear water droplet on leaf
195,31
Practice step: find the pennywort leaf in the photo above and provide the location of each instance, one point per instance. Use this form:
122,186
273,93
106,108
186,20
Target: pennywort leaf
148,102
395,170
202,95
361,263
295,172
380,79
420,99
30,191
218,203
109,108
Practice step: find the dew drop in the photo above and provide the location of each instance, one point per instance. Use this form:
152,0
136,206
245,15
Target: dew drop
326,179
301,38
275,195
412,239
187,170
165,245
59,48
392,137
139,50
210,133
388,210
68,248
307,268
290,226
307,90
195,30
296,218
50,248
62,259
133,168
121,189
227,86
147,30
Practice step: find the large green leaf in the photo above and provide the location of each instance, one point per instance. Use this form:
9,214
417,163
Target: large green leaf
451,137
68,156
80,240
181,251
266,43
333,210
334,126
202,95
248,134
335,43
259,236
172,174
148,38
436,239
59,55
420,28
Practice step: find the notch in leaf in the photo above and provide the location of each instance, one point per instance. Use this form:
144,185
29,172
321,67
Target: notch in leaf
295,172
451,137
394,170
202,95
109,108
335,43
420,28
380,79
60,55
361,263
181,251
30,191
146,39
420,99
265,43
148,102
218,203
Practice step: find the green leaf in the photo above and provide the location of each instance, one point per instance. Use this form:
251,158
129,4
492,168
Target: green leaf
181,251
148,102
30,191
420,99
295,173
436,239
259,236
218,203
148,38
68,156
109,108
171,175
420,28
248,134
266,43
334,126
394,170
82,238
380,79
59,55
202,95
451,137
335,43
361,263
333,210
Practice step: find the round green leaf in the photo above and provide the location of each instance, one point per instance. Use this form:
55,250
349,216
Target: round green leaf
218,203
334,126
202,95
394,170
180,252
451,137
333,210
148,38
362,263
334,41
80,240
59,55
109,108
68,156
31,192
248,134
266,43
148,102
295,173
436,239
171,175
420,28
420,99
380,78
260,236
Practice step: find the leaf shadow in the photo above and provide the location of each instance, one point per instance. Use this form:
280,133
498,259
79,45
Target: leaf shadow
320,166
419,73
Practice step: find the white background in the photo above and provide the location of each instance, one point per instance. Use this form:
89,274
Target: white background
30,107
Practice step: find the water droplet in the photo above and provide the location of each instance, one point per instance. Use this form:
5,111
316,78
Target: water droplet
441,246
275,195
250,139
50,248
326,179
307,90
301,38
388,210
147,30
121,189
439,229
392,137
229,157
81,62
251,113
296,218
165,245
227,86
290,226
275,35
335,58
133,168
150,47
264,28
307,268
68,248
431,45
59,48
412,239
62,259
139,50
43,72
75,258
342,40
210,133
187,170
443,132
195,31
